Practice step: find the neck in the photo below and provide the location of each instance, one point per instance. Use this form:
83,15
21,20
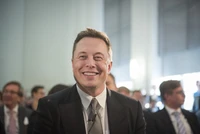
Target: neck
10,107
92,91
172,106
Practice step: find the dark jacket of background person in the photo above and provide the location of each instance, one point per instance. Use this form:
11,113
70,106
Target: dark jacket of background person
164,124
33,116
61,113
2,131
150,122
23,114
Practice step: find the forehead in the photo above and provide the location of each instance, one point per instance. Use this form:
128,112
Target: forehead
89,44
40,90
12,87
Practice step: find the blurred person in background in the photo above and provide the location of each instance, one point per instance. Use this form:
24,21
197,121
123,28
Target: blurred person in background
33,117
58,88
110,82
15,116
37,92
137,95
173,119
152,105
124,90
196,104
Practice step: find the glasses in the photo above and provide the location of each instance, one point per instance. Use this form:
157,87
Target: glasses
179,92
11,92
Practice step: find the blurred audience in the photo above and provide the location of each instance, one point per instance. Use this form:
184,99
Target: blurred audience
172,118
196,104
124,90
33,116
110,82
137,95
15,116
152,105
57,88
37,92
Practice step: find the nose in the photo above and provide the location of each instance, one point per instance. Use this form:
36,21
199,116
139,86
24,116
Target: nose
90,62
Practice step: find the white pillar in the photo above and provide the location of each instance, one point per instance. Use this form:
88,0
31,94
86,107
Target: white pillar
38,39
144,43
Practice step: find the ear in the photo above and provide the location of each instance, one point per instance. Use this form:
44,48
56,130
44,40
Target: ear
109,67
167,96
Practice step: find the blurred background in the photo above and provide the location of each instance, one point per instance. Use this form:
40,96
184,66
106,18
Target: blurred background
152,41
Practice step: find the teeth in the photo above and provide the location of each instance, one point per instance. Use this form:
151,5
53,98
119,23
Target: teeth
90,74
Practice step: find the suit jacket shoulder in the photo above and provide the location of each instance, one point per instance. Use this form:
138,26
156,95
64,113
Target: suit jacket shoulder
124,114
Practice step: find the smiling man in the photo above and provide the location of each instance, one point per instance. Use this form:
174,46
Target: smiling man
173,119
14,116
89,107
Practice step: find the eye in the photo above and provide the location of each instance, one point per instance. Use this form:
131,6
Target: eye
98,58
82,57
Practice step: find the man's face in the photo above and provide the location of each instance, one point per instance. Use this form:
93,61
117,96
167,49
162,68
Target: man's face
177,98
39,94
91,63
10,95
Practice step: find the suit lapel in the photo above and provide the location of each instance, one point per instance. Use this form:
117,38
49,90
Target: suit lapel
166,121
71,113
2,114
21,116
190,120
117,116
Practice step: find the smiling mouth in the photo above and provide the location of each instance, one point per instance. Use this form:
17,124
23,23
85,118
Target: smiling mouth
90,73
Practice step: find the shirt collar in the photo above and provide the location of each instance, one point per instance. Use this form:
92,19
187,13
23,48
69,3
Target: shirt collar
171,111
15,109
86,98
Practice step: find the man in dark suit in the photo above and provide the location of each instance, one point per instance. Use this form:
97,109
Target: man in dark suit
12,93
166,120
69,111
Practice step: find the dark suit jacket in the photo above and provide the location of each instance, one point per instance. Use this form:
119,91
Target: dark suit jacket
22,113
2,131
164,125
61,113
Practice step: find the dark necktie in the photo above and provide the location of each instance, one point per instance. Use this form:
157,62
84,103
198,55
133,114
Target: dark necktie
180,125
12,129
94,121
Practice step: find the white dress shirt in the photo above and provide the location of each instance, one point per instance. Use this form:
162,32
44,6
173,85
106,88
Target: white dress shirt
182,117
7,117
101,98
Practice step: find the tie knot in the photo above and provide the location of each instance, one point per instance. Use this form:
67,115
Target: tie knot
11,112
176,114
95,105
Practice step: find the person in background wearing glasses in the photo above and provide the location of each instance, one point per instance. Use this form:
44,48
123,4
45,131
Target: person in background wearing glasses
14,116
173,119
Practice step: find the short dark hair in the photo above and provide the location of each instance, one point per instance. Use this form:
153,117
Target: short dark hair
89,32
167,87
57,88
18,84
35,89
